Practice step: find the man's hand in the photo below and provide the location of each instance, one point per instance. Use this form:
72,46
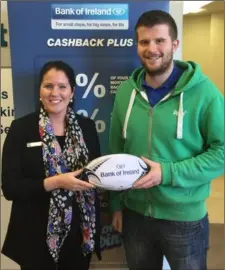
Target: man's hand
153,178
117,221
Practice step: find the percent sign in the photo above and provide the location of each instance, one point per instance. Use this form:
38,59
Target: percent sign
100,124
82,80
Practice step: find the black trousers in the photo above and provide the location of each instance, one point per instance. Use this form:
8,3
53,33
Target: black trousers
82,264
70,257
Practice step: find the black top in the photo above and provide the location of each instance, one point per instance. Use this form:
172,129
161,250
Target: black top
61,140
22,183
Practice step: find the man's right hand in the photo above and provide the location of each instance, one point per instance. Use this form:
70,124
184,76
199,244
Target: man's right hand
117,221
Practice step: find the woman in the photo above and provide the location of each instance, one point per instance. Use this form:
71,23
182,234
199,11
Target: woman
54,221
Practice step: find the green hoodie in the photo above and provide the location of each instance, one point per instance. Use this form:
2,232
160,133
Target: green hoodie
184,132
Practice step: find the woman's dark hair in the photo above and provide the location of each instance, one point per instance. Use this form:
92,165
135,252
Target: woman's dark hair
58,65
154,17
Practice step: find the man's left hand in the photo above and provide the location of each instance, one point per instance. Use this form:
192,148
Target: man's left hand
151,179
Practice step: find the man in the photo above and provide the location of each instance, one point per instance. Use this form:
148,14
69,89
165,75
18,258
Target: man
170,114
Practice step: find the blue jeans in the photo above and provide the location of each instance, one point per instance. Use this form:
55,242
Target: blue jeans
147,240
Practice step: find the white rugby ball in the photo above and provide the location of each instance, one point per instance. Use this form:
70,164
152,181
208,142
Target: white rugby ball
115,172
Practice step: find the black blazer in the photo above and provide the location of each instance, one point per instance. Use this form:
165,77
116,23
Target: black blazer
22,183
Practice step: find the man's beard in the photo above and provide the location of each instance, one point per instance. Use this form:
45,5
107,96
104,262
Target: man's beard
162,68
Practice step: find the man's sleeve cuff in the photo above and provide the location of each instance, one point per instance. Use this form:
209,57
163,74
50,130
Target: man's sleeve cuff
166,174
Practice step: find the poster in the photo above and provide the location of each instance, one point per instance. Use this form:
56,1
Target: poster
97,39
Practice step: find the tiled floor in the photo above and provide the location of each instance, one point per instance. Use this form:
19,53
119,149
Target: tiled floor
215,206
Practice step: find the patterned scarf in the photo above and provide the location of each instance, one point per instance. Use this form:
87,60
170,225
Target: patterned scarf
56,161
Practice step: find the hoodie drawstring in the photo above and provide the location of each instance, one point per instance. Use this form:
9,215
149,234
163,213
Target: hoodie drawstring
180,118
180,115
131,102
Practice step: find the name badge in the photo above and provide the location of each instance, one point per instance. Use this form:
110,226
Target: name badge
34,144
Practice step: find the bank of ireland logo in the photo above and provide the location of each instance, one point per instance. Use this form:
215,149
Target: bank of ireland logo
120,166
118,11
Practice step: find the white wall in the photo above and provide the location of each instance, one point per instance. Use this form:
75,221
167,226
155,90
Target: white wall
176,10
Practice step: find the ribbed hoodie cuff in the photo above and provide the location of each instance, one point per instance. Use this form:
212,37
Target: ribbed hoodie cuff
166,174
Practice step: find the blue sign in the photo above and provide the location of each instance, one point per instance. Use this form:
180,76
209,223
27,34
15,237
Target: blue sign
96,39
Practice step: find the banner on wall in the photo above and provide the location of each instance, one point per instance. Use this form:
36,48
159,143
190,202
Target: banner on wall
97,39
7,110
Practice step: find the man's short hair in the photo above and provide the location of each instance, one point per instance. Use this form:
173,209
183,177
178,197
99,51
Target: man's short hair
156,17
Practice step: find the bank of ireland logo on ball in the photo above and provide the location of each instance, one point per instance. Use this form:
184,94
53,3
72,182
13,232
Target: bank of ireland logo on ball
115,172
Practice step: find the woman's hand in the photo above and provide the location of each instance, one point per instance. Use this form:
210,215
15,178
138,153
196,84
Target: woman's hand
67,181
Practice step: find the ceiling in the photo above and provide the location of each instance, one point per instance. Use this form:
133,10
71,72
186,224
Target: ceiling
215,6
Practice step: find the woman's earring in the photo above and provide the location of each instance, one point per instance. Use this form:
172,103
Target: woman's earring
71,103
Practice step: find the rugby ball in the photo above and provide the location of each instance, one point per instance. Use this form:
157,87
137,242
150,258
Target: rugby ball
115,172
